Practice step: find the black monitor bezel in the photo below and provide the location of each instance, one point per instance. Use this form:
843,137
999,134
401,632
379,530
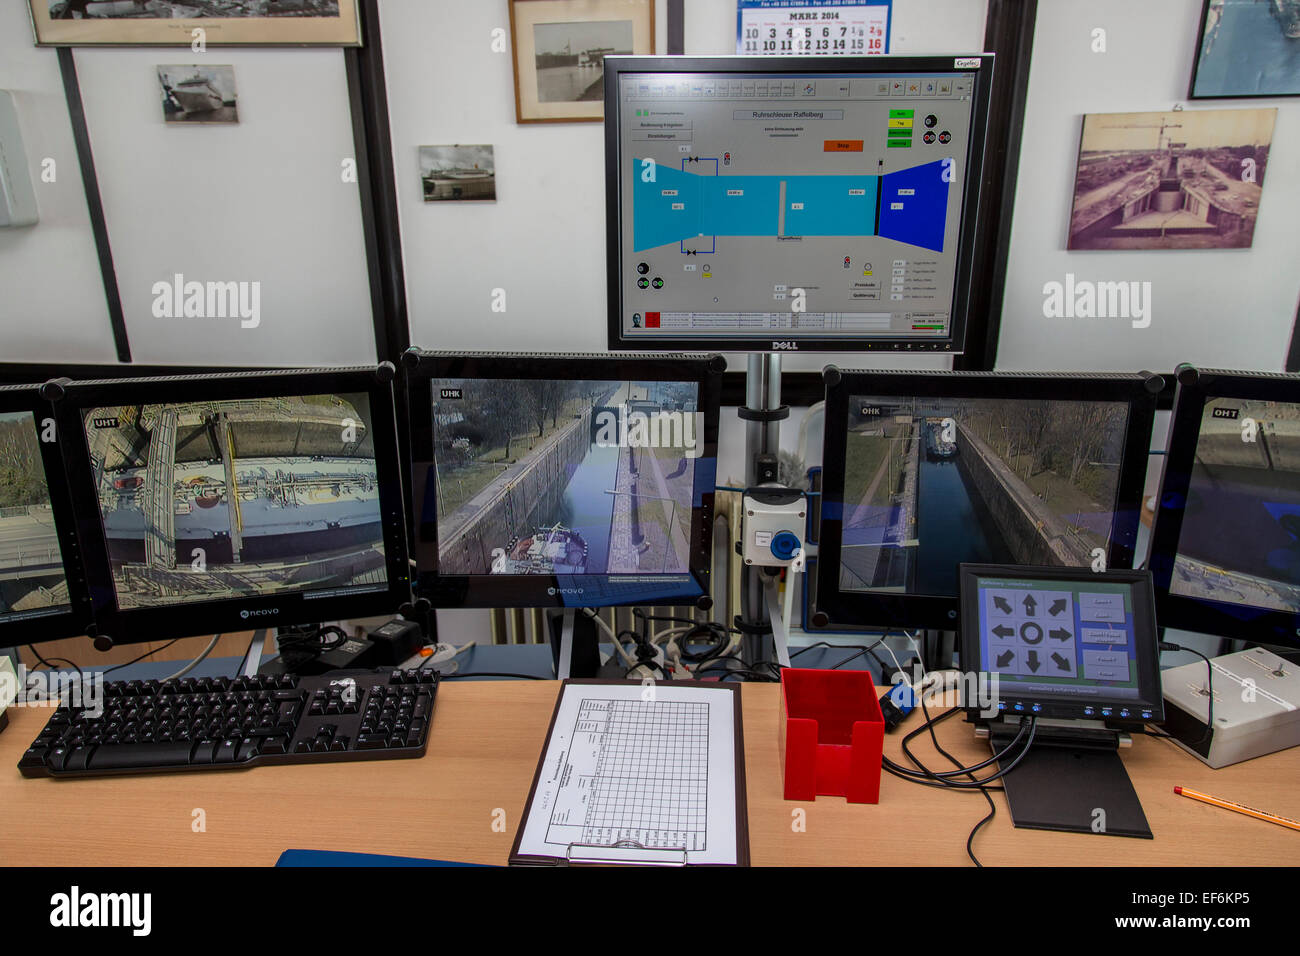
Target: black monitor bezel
548,591
616,66
857,610
1150,699
76,618
1222,618
134,625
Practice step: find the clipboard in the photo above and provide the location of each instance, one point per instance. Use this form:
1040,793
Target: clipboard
621,850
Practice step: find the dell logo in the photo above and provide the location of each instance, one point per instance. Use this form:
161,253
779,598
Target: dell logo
785,346
259,612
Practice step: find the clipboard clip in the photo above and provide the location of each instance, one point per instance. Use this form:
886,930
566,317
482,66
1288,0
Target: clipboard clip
627,852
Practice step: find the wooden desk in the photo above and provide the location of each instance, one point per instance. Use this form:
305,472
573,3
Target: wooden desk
486,740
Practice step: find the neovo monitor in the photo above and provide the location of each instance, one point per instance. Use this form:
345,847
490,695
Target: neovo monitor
226,502
563,480
926,470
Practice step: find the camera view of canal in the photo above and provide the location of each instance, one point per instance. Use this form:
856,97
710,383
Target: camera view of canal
932,483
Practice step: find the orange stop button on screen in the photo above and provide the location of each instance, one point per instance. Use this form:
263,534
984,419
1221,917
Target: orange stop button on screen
842,146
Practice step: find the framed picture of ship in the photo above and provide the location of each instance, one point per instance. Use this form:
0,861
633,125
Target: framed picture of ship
1246,49
198,94
173,22
458,173
560,48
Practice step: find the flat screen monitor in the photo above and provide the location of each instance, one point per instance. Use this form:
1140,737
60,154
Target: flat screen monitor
1063,643
211,503
1225,548
563,481
42,589
777,203
926,470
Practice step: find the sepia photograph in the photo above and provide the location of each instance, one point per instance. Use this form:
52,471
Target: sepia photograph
560,48
1247,48
570,58
198,94
172,22
1176,180
458,173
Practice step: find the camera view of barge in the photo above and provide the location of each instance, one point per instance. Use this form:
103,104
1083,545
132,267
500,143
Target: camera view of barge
933,482
564,477
211,500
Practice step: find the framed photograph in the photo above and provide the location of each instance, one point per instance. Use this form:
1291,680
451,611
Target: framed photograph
1179,180
172,22
198,94
458,173
560,48
1247,48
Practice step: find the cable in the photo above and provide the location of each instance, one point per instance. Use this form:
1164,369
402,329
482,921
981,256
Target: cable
1209,693
137,660
32,648
491,674
993,810
196,662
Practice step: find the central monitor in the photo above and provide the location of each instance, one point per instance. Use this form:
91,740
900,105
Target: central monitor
210,503
563,481
926,470
764,204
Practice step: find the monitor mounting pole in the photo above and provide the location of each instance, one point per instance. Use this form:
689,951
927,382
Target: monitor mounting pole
762,413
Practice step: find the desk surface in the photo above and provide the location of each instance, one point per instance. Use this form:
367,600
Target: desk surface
485,744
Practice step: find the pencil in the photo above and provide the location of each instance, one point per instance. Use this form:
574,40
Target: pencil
1239,808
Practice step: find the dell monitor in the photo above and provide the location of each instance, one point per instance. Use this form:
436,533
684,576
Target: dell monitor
1225,547
925,470
563,481
216,503
42,589
764,204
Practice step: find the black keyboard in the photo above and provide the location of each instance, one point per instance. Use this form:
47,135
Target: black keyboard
222,723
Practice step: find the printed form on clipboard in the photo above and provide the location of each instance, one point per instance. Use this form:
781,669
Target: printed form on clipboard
646,774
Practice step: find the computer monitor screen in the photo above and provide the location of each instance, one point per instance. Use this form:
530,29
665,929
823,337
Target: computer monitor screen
1226,546
33,578
270,497
582,483
792,202
945,468
1078,644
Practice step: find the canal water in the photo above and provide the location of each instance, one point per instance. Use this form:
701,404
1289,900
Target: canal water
953,526
569,84
585,507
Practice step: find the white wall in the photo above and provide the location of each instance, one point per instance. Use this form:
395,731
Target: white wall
261,201
1230,308
543,240
51,297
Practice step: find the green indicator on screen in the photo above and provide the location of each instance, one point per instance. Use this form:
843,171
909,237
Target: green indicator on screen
901,114
899,143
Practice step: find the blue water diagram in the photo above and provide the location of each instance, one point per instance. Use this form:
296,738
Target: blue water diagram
909,205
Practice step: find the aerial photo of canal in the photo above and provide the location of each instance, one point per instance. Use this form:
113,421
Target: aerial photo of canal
564,477
1240,536
31,564
933,482
220,499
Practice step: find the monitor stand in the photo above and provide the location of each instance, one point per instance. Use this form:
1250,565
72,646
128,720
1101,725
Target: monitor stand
1072,780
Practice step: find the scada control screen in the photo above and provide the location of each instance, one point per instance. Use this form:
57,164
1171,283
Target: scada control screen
764,205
